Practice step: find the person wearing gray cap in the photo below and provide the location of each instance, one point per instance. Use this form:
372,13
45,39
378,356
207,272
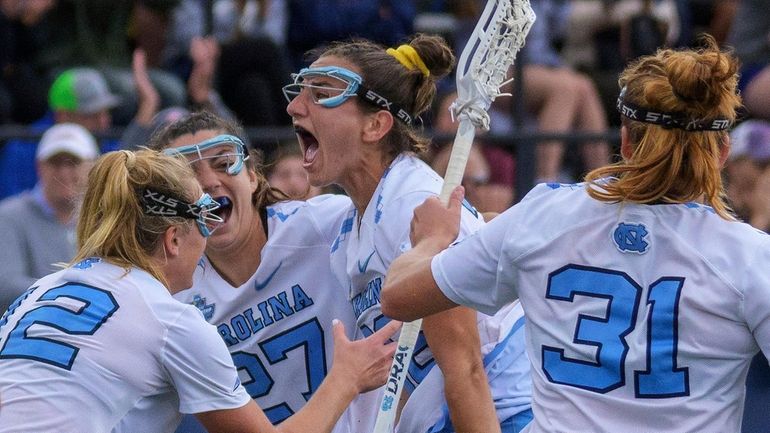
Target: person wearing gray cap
38,226
81,95
77,95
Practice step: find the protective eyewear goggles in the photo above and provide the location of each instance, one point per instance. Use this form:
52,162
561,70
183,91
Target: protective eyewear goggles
330,86
231,159
202,211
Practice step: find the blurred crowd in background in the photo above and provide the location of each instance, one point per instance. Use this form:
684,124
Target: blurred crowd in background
116,71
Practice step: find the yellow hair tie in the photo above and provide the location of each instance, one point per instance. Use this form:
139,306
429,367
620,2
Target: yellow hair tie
407,56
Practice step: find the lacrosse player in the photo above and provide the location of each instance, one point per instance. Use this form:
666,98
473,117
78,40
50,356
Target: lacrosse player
101,345
645,299
265,281
355,114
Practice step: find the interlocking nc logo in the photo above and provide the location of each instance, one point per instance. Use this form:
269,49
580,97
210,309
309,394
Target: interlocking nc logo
629,238
387,403
207,309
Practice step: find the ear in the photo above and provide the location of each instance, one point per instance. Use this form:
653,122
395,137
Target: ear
724,150
625,143
377,126
253,179
171,241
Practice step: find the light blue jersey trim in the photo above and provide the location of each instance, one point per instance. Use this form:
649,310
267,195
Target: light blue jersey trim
513,424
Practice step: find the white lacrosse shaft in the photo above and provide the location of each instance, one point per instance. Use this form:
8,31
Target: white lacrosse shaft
461,149
409,331
386,417
481,71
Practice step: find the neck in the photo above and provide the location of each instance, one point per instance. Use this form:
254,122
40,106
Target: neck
238,263
64,211
361,184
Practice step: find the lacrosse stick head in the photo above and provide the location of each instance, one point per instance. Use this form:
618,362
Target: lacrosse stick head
484,62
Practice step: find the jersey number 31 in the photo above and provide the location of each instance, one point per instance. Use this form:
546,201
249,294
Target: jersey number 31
662,378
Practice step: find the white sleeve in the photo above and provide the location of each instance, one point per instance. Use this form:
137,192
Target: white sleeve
328,212
200,366
467,272
401,213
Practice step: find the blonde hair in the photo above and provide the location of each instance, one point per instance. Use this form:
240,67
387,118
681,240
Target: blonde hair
112,223
408,88
674,165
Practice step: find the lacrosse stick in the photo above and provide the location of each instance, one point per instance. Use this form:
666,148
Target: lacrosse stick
481,71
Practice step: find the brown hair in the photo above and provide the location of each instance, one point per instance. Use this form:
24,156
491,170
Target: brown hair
409,89
112,223
673,165
265,195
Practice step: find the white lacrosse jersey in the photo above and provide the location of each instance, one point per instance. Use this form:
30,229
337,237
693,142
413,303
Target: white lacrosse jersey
278,325
363,252
85,345
640,318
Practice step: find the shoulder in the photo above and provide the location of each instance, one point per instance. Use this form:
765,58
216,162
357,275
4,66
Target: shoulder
15,204
405,185
307,222
136,288
407,174
551,201
329,203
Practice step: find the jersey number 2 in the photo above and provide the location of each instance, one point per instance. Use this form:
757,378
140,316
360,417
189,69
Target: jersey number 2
98,306
662,378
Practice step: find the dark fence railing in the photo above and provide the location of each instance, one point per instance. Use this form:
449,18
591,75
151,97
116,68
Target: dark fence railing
522,145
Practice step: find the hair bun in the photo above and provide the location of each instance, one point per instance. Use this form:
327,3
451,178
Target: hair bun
701,78
435,53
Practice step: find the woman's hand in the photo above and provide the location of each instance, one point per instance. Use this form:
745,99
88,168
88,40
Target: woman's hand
437,225
364,363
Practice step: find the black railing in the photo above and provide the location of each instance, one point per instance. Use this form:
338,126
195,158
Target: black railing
522,145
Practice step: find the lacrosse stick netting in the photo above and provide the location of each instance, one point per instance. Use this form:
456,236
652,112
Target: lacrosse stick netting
481,71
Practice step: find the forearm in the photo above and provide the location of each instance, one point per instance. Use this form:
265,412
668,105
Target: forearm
454,340
410,291
321,413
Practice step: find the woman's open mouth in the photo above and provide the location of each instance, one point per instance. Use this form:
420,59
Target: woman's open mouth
225,208
308,143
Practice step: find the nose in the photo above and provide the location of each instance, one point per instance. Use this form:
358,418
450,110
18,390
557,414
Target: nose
105,120
208,178
297,107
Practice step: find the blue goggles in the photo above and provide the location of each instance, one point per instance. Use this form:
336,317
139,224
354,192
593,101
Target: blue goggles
330,86
231,159
202,211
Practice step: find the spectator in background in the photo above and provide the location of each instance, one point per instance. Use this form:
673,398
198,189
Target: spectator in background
313,23
748,192
81,95
286,173
22,85
102,35
248,54
78,95
38,226
489,173
751,40
253,18
201,94
748,173
561,98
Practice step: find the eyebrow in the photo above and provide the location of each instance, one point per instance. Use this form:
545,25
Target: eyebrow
323,81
